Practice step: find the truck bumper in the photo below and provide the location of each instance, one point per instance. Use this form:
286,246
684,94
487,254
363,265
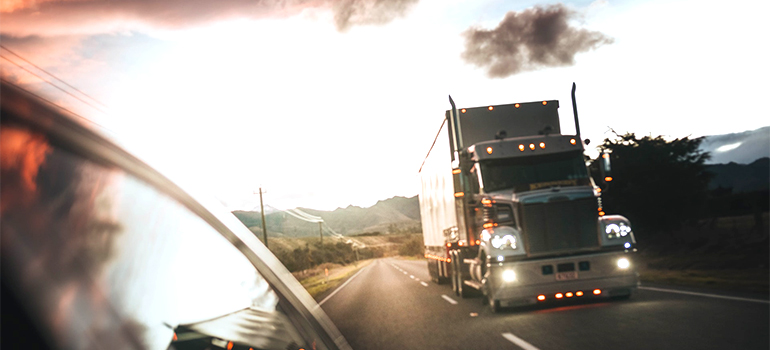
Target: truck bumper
604,277
609,287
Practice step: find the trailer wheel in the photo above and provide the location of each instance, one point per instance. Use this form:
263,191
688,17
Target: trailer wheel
455,288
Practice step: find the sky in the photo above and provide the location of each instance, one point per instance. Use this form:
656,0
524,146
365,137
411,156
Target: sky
330,103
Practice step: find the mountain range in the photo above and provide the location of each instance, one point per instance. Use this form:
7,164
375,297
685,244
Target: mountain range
740,163
742,148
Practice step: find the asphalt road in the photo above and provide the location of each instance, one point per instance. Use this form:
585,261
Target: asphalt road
391,304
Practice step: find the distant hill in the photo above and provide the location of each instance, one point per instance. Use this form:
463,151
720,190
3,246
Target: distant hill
741,178
740,163
394,215
741,148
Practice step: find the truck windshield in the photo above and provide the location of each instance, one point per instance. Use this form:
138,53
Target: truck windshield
535,172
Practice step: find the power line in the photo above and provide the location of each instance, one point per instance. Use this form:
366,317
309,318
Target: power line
53,104
53,76
52,84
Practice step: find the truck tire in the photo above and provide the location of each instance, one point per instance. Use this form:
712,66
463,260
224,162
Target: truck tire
433,271
494,305
455,287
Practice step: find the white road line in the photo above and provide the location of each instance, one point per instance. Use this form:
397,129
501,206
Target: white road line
518,341
404,272
450,300
705,295
340,287
424,284
411,276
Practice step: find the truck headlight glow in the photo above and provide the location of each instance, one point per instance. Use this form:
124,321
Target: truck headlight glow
509,276
623,263
617,230
502,242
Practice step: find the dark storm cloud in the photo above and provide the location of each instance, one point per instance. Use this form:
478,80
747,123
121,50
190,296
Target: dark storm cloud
56,18
527,40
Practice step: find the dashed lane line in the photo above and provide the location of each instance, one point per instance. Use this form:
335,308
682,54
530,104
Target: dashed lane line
424,284
450,300
518,341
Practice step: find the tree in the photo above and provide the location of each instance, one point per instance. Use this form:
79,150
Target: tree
657,184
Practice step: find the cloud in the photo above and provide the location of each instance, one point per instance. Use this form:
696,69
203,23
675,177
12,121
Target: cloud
528,40
74,17
357,12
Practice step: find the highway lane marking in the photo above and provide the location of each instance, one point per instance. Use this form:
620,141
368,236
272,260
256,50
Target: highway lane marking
411,276
404,272
450,300
340,287
424,284
518,341
706,295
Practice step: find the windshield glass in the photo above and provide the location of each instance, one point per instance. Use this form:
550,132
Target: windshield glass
531,173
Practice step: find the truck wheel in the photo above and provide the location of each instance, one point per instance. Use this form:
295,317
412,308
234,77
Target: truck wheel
494,305
455,288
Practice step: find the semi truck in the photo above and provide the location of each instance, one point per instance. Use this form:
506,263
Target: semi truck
510,211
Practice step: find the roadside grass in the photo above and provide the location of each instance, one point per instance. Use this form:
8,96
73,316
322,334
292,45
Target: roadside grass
728,253
316,283
752,281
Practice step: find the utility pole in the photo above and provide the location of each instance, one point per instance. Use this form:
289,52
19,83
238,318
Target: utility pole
262,211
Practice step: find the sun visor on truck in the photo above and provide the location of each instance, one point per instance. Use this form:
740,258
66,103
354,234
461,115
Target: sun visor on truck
519,119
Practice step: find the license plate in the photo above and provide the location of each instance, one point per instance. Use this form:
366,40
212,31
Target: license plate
565,276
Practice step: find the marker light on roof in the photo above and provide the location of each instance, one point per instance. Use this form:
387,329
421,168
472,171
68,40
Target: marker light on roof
572,141
545,103
491,108
462,110
532,146
542,144
521,148
517,105
489,150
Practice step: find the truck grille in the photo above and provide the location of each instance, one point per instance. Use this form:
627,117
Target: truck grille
561,226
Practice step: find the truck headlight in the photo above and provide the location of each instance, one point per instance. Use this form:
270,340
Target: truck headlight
504,241
617,230
509,276
623,263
